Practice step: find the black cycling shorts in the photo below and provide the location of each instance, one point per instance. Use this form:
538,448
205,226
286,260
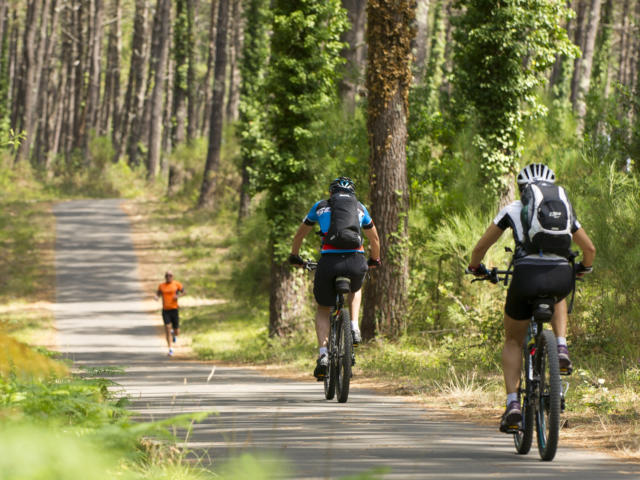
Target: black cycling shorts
531,281
332,265
171,317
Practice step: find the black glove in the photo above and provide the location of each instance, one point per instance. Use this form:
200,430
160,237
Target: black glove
479,271
374,262
296,259
581,270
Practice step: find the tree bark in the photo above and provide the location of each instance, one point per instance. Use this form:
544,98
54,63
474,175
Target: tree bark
136,87
206,88
192,119
422,40
217,110
110,112
234,60
29,78
158,66
579,41
353,53
181,46
390,35
584,75
624,43
285,307
95,73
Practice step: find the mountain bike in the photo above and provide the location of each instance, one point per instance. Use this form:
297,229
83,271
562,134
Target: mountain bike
540,391
340,344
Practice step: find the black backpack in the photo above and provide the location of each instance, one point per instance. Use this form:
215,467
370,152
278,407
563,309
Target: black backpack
344,229
546,217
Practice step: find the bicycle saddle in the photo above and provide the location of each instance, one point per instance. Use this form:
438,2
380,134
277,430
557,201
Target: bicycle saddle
543,309
343,284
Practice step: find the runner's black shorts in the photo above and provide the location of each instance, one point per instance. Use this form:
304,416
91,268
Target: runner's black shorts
534,280
171,317
332,265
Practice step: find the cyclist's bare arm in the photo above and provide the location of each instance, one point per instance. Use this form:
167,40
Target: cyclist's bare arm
302,232
374,242
490,236
586,245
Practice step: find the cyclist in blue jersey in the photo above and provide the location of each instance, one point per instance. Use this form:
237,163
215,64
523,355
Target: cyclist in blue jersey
334,261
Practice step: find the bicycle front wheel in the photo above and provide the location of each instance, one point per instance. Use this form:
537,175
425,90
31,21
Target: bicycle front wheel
549,396
524,437
345,346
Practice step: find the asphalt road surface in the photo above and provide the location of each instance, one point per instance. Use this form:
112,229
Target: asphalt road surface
102,321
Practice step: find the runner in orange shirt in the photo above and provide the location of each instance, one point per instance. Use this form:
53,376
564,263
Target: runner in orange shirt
170,290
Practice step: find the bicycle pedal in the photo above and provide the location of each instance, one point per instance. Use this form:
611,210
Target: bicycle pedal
320,378
510,428
566,371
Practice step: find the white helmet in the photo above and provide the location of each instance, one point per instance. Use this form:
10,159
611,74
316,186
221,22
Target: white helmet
535,172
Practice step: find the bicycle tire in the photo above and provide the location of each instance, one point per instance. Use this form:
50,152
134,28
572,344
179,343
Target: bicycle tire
345,347
549,396
330,378
524,438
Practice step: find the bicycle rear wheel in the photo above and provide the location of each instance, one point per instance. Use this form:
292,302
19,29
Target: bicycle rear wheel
332,371
524,437
345,346
549,396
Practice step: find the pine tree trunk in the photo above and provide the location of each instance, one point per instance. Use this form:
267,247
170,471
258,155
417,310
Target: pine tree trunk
29,78
352,53
624,43
159,55
206,88
180,57
81,42
128,137
422,40
192,118
285,308
586,63
579,40
217,110
68,57
234,59
95,72
110,111
389,36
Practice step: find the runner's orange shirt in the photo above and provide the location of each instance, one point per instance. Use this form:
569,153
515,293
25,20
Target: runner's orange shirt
168,290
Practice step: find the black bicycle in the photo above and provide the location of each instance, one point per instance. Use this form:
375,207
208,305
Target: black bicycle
340,345
540,390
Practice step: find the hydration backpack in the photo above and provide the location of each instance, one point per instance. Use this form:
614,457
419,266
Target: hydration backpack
546,217
344,229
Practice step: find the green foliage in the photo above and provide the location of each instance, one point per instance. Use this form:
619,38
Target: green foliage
502,52
300,85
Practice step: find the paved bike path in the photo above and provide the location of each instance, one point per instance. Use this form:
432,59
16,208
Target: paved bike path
102,321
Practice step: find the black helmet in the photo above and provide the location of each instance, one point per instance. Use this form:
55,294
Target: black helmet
344,184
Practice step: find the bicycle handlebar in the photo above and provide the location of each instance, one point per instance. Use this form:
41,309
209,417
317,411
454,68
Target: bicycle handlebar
494,276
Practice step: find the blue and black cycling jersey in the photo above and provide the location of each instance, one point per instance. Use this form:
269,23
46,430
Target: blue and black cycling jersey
320,213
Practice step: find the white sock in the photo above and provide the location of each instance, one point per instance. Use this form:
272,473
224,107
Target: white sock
323,350
354,326
511,397
561,341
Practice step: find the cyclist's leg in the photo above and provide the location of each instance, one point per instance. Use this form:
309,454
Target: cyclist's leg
355,299
322,325
515,332
559,319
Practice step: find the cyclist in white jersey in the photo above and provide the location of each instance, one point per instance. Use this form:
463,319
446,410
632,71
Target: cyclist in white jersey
532,275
